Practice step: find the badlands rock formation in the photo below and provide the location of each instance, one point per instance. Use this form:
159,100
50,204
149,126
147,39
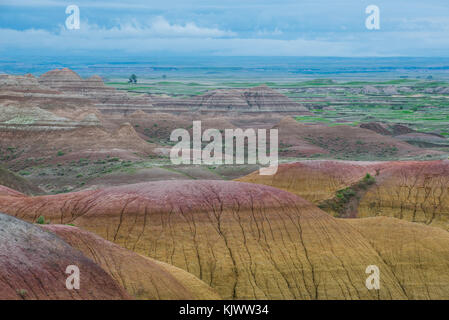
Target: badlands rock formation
142,277
345,141
424,140
33,264
26,104
411,190
246,241
411,251
108,100
37,122
415,191
5,191
159,126
256,99
105,98
88,142
404,133
377,127
67,80
13,181
315,180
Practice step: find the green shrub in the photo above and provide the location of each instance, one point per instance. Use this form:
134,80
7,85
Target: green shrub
40,220
368,179
22,293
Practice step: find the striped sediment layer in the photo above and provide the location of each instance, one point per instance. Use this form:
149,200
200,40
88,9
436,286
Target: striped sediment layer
250,241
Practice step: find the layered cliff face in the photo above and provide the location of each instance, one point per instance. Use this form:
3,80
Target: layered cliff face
38,122
34,263
64,79
257,99
16,146
28,105
108,100
34,117
141,277
246,241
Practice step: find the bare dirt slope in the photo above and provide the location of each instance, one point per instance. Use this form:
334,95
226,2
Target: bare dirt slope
34,262
5,191
13,181
346,142
415,191
411,190
315,180
142,277
38,122
56,146
402,244
404,133
246,241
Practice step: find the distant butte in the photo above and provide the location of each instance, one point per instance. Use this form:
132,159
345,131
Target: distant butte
254,100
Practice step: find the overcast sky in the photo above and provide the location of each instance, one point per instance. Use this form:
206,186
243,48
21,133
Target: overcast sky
226,27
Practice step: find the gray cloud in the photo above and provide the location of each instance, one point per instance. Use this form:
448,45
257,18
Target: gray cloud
234,27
